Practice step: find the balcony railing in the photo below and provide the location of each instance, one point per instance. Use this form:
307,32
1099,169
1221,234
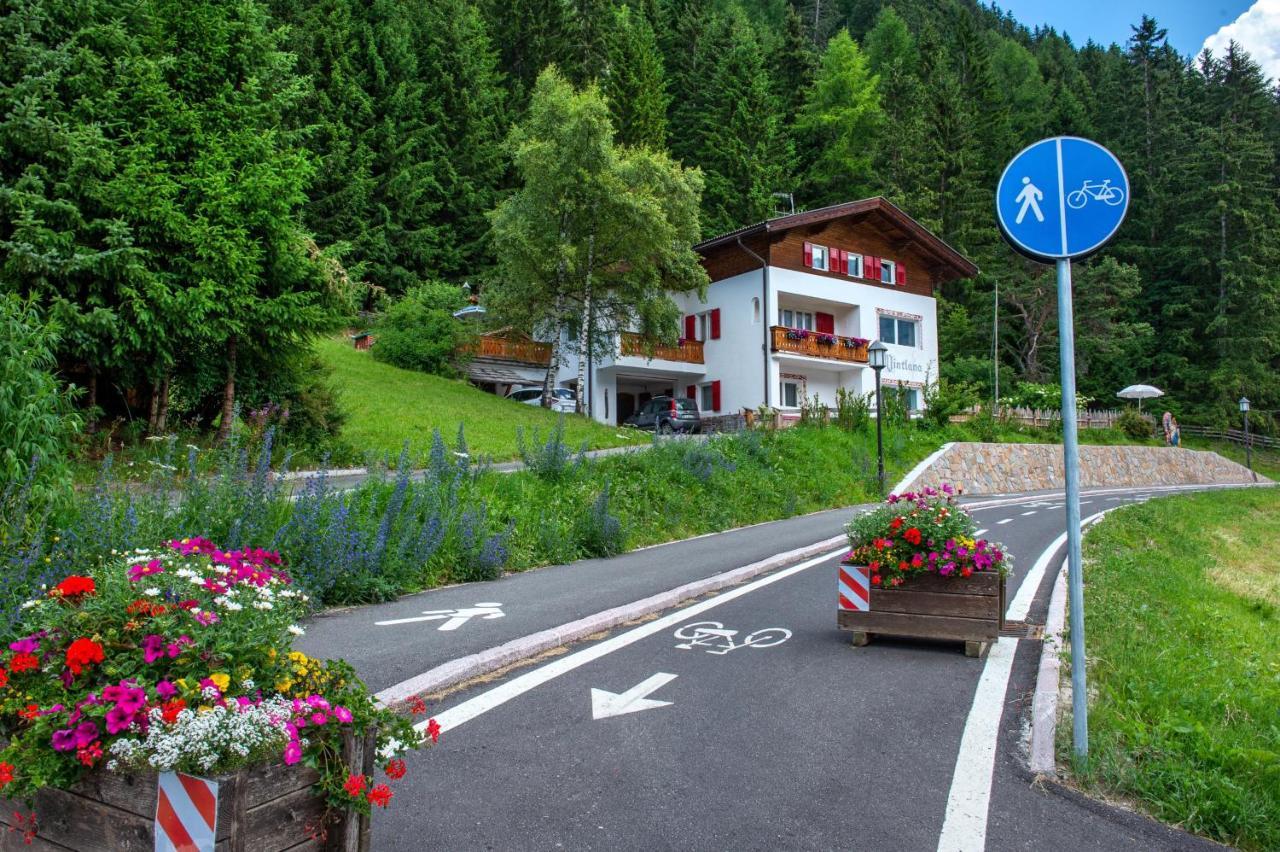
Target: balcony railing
798,341
524,351
689,351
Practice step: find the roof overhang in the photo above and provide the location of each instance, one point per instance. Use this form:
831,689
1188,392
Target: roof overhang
949,261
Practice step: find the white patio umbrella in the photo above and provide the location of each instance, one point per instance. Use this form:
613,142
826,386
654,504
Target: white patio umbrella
1140,392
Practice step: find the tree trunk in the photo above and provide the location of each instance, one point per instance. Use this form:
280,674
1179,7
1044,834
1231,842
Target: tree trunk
92,423
584,349
228,395
162,416
154,408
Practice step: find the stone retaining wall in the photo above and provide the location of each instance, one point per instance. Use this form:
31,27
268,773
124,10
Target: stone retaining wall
1015,468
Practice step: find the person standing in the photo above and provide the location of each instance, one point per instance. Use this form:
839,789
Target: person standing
1167,422
1174,437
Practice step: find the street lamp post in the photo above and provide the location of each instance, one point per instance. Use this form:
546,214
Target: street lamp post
1248,445
877,355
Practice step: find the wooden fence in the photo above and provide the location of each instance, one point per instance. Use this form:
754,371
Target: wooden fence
1088,419
1236,436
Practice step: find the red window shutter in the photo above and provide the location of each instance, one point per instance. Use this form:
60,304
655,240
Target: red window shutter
902,275
842,260
715,323
690,327
691,391
826,323
808,254
873,267
715,395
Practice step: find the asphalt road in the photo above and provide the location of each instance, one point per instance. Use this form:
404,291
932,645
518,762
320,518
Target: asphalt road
787,742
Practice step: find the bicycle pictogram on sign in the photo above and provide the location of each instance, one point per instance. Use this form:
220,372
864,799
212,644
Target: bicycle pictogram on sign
716,639
1097,190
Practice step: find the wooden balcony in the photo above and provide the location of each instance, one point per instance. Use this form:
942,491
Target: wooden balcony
797,341
688,351
513,349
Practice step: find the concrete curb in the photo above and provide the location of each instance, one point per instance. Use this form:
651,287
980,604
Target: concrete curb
465,668
1044,706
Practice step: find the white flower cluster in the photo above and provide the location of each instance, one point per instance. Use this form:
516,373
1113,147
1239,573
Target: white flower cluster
206,741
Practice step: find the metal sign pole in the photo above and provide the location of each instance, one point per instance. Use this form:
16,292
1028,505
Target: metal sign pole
1071,457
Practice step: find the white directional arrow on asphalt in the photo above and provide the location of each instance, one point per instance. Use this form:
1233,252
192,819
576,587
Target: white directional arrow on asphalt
605,704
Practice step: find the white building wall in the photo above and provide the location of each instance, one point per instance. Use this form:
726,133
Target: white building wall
736,359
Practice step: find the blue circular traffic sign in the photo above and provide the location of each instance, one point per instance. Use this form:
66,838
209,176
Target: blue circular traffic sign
1061,197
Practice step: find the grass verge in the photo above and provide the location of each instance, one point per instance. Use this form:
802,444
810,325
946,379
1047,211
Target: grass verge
387,406
1183,627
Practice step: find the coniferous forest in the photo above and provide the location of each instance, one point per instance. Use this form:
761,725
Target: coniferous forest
192,190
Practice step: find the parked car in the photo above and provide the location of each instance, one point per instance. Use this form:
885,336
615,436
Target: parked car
562,399
667,414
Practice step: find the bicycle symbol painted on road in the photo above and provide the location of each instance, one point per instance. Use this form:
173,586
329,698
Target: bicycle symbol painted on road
713,636
1098,191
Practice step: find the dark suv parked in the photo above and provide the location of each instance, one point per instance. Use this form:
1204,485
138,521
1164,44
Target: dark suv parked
666,414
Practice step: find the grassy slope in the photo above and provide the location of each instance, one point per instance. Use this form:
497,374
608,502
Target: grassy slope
1183,626
387,406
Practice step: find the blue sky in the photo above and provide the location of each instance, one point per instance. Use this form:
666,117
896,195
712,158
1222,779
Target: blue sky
1189,22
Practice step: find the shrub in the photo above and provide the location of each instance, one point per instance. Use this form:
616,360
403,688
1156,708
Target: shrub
945,398
552,460
813,412
599,532
419,332
36,420
1134,425
853,410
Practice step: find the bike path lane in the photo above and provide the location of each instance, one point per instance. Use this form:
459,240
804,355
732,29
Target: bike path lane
545,598
809,744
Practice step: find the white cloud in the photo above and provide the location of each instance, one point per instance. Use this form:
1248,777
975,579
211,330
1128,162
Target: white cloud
1257,31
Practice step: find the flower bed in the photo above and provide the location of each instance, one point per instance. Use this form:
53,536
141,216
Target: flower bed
180,660
915,568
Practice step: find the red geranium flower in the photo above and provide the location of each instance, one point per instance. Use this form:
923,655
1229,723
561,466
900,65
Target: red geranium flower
24,662
912,535
417,706
31,711
354,785
75,586
395,770
896,523
380,795
83,652
433,730
170,709
4,678
875,579
6,774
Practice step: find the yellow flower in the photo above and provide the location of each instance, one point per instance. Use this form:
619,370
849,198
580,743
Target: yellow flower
204,708
222,680
284,684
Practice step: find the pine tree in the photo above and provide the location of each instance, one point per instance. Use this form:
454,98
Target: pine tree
840,123
792,64
740,144
635,84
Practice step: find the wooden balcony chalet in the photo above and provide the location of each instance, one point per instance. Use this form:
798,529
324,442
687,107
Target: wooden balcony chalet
813,344
688,351
518,349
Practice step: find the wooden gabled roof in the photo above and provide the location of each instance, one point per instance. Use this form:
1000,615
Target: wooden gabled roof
889,215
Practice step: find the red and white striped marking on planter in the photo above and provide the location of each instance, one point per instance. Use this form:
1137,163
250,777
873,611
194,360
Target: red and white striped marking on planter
186,813
855,588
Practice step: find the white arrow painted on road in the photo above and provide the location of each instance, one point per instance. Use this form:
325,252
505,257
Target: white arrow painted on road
605,704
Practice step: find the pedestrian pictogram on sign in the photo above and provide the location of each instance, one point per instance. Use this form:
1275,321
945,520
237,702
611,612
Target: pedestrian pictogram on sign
186,813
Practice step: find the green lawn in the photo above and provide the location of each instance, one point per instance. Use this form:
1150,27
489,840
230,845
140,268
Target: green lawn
1182,622
387,406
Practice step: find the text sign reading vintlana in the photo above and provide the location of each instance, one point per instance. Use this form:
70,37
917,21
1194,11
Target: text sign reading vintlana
1061,197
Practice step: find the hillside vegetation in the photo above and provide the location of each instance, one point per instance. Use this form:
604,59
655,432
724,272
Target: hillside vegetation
386,407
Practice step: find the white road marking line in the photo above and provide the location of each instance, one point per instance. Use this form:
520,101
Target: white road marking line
965,826
501,694
1005,521
980,532
1032,512
605,704
1021,603
1085,502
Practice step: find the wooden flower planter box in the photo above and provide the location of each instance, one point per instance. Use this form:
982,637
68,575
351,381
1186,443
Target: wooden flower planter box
264,809
966,609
